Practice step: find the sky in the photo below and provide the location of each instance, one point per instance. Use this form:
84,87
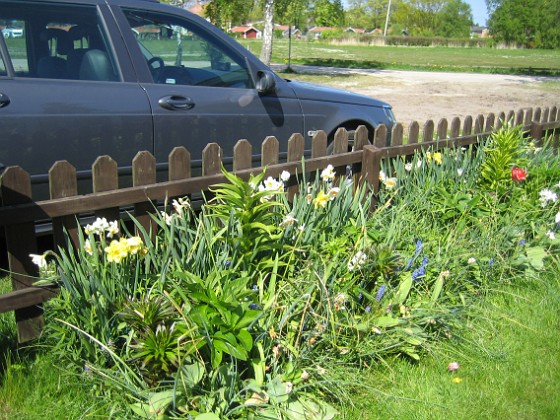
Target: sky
478,7
480,15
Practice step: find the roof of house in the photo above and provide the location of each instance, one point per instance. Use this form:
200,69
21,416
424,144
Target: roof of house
197,9
321,29
243,29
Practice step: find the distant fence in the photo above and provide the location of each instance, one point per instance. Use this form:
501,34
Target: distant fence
19,213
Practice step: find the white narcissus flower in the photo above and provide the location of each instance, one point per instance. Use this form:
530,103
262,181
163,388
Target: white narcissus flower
557,218
328,173
408,166
87,247
39,260
551,235
288,220
390,183
285,176
112,229
333,193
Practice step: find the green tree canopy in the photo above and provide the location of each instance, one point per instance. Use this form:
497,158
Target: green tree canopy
328,13
532,23
454,20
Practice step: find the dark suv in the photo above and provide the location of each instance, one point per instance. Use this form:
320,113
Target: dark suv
93,77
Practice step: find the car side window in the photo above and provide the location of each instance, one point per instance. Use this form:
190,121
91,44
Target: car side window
179,53
56,41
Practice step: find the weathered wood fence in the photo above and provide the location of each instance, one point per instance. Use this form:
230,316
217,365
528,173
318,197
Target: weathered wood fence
19,213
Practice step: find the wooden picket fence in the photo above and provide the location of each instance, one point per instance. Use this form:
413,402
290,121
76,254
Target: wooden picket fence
19,213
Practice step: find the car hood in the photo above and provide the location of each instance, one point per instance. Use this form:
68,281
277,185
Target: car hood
312,92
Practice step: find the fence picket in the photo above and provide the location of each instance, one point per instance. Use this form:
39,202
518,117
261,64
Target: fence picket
20,242
397,135
63,183
380,137
270,151
413,132
144,173
467,125
179,164
340,142
428,131
490,123
105,177
296,148
319,144
478,124
455,127
242,155
442,129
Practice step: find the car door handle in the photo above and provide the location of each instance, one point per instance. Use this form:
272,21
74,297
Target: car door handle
4,100
175,102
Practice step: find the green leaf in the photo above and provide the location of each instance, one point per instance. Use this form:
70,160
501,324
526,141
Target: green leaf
193,374
536,255
386,322
245,339
404,288
207,416
437,289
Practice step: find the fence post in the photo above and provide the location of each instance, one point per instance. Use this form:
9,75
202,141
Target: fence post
15,186
536,131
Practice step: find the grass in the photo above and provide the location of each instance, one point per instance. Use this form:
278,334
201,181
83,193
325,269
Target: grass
509,357
479,60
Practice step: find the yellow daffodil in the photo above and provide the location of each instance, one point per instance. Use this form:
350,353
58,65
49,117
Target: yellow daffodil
321,200
117,250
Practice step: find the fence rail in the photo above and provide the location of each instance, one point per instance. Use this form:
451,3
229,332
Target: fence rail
19,213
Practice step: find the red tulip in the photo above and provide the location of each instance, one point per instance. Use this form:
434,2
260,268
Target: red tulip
518,174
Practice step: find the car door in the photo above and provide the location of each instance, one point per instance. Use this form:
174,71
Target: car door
64,92
201,88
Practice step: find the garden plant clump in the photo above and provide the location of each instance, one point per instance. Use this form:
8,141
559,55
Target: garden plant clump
248,308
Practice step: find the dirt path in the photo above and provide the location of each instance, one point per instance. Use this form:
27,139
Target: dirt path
419,96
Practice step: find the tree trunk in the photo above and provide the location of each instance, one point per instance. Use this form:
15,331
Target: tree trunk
266,51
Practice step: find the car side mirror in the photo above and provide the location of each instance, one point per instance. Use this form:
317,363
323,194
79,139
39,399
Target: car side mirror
266,82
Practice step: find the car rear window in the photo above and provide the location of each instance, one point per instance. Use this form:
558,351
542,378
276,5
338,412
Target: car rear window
56,41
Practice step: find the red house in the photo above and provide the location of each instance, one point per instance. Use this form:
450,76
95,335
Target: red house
246,32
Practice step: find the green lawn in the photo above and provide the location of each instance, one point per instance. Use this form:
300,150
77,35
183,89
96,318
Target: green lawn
509,360
415,58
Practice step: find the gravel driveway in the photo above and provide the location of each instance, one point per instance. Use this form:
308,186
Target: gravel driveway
419,96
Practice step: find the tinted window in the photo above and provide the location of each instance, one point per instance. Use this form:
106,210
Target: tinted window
54,41
178,52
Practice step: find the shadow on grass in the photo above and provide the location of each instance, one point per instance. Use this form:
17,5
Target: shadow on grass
376,65
336,62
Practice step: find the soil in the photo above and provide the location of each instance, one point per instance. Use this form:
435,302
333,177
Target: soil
420,96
